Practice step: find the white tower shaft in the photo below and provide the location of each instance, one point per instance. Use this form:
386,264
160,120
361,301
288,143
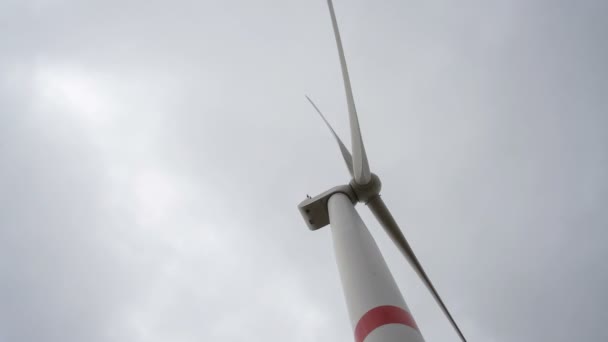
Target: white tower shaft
377,310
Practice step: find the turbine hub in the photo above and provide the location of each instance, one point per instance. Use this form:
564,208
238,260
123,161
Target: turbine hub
366,192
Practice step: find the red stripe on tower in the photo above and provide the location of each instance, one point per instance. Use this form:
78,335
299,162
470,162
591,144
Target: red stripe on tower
380,316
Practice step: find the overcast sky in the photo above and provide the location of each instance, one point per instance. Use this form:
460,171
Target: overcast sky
153,153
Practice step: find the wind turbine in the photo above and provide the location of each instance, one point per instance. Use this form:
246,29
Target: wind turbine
377,310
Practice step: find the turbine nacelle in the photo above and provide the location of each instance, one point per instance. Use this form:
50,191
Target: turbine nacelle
314,209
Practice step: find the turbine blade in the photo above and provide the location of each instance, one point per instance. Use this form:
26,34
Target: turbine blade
362,173
389,224
345,153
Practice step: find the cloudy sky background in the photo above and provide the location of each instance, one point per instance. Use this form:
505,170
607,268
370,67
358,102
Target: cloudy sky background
152,155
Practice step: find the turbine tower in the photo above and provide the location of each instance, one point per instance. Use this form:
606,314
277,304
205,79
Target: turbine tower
377,310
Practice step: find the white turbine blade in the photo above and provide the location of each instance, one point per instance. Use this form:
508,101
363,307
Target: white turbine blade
362,173
389,224
345,153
